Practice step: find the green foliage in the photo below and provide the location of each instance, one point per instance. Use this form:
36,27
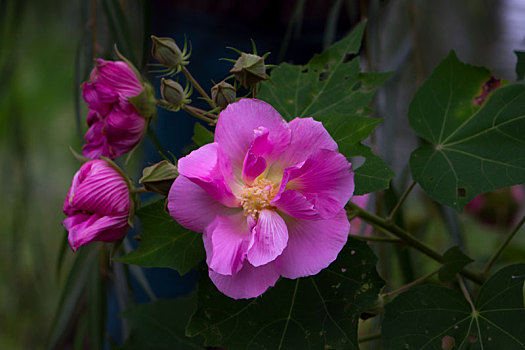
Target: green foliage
472,149
316,312
160,325
201,135
331,89
454,260
421,317
164,243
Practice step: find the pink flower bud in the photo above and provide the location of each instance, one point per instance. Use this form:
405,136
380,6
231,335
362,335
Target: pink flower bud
97,205
115,125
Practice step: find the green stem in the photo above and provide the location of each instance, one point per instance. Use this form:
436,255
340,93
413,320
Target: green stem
409,239
503,246
197,115
411,284
203,112
369,337
394,211
466,294
197,86
376,239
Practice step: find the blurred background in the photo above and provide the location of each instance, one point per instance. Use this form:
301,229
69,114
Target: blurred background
46,51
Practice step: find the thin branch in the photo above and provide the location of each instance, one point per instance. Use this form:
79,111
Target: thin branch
411,284
466,294
409,239
404,196
198,115
376,239
198,87
503,246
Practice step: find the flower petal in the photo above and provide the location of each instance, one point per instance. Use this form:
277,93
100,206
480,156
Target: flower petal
254,161
84,228
230,239
210,168
324,179
236,129
295,204
308,136
117,76
98,188
249,282
312,245
271,236
192,206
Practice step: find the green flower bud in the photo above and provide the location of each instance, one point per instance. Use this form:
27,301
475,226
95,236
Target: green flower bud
167,52
249,69
159,177
223,94
173,93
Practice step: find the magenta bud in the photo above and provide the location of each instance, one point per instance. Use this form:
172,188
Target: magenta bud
98,204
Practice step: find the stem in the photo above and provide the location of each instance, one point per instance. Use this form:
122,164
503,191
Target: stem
411,284
466,294
409,239
404,196
198,87
156,143
198,115
140,190
502,246
369,337
376,239
203,112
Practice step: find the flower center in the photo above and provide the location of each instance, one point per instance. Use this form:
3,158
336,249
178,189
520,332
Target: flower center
258,197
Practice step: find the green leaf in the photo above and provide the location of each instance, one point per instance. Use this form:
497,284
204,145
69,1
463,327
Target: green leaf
472,149
421,317
331,89
520,65
164,243
160,325
317,312
453,261
201,135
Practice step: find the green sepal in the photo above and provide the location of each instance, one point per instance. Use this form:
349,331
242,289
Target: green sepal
145,103
78,156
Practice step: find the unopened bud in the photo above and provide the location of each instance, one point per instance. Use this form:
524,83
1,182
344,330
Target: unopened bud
223,94
172,92
249,69
166,52
159,177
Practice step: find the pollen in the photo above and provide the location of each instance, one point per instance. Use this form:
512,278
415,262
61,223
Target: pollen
258,197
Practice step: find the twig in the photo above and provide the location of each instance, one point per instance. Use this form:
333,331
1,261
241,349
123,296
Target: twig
466,294
502,246
198,115
404,196
376,239
411,284
198,87
409,239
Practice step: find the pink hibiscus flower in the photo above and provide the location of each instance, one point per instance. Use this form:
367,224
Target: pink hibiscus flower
97,205
268,197
115,126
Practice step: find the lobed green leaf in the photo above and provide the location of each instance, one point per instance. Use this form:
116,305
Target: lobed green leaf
423,316
471,149
331,89
317,312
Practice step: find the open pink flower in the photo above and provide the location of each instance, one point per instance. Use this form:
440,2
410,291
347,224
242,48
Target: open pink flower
268,197
115,126
97,205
